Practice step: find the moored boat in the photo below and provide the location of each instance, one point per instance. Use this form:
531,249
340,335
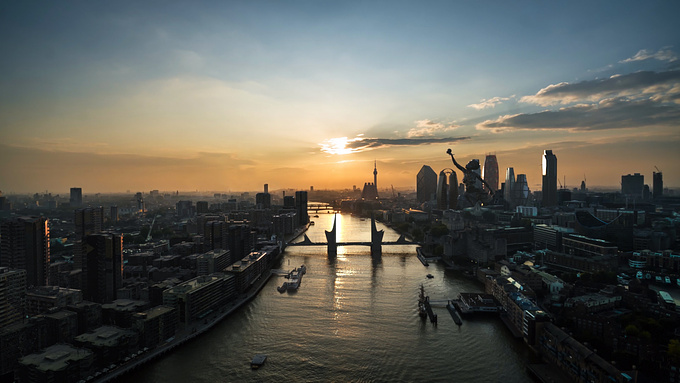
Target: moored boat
258,361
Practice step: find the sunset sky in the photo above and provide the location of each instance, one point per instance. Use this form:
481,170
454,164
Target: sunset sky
227,96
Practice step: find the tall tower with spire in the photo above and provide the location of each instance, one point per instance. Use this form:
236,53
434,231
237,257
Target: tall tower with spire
375,175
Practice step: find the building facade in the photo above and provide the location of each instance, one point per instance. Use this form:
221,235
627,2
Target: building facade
549,188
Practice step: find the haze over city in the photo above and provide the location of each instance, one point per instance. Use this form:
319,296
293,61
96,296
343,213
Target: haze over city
230,95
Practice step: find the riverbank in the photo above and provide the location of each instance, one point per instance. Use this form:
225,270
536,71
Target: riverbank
194,330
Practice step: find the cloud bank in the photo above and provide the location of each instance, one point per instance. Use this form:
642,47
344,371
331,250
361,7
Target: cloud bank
489,103
430,128
615,113
344,145
638,84
663,54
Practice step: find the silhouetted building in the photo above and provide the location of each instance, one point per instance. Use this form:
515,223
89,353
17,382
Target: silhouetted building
490,171
102,271
25,244
657,185
12,291
87,221
442,192
426,184
301,207
76,199
263,200
453,190
521,190
114,213
202,207
370,190
289,202
185,209
549,178
509,185
632,184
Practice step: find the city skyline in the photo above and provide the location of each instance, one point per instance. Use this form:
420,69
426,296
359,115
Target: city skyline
229,96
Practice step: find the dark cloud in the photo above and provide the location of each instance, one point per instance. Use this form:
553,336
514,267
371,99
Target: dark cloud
608,114
644,82
375,143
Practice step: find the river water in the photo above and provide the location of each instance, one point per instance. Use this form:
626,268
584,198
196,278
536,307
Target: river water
352,319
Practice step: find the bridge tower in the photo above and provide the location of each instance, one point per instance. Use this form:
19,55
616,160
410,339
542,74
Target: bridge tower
331,238
376,239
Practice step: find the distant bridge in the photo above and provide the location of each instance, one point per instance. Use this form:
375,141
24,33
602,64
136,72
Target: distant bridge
319,207
375,243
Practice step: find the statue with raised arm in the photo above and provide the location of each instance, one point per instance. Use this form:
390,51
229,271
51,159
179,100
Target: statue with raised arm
473,194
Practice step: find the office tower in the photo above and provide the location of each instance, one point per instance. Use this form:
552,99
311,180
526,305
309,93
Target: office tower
87,221
202,207
76,199
263,200
426,184
301,207
490,171
266,188
549,178
215,235
657,184
453,190
442,192
185,209
632,184
509,184
12,292
289,202
114,213
102,273
25,244
521,192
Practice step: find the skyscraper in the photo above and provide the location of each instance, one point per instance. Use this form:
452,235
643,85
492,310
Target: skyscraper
521,190
301,207
632,184
490,171
657,184
76,199
453,190
509,184
87,221
12,291
25,244
549,178
102,273
426,184
442,192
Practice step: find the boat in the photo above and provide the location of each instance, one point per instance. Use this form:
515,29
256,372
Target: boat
283,287
258,361
421,303
311,223
316,216
430,276
658,278
454,314
667,280
421,258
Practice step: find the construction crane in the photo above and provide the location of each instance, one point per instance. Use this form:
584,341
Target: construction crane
148,237
657,169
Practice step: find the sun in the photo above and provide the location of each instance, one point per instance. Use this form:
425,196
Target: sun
339,145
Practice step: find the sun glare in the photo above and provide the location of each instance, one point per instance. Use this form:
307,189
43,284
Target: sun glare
339,145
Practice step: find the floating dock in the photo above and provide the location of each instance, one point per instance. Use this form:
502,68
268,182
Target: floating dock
421,257
454,314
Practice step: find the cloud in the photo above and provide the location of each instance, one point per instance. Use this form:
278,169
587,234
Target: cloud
344,145
642,83
429,128
662,54
614,113
489,103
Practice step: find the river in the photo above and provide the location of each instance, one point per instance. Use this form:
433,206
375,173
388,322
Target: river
352,319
